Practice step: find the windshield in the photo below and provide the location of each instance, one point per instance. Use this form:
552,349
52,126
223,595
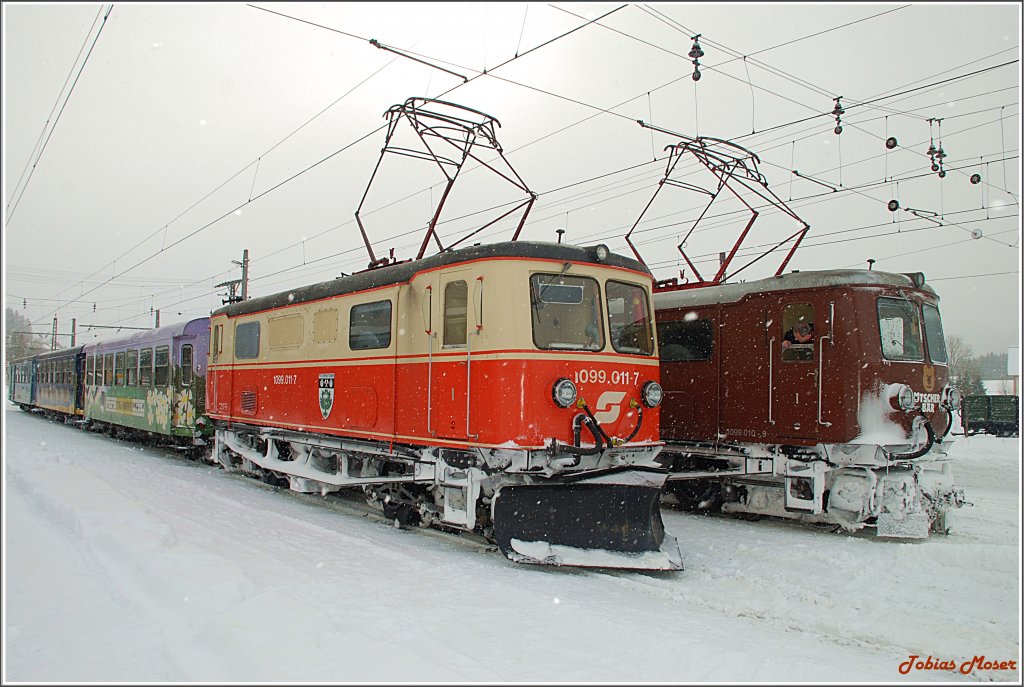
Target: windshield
899,323
628,317
566,312
933,334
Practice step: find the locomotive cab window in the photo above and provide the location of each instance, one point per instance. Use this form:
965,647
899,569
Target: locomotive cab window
798,332
566,312
629,318
681,341
899,324
933,334
369,326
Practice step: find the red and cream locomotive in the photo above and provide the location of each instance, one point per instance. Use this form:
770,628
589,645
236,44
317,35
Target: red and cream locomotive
509,389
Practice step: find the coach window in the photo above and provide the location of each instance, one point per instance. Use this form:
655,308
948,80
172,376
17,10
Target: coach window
247,340
566,312
89,363
146,367
186,364
369,326
681,340
119,369
161,366
456,300
108,369
131,363
798,332
899,324
933,334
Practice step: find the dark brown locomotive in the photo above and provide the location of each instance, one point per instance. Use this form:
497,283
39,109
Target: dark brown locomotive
820,396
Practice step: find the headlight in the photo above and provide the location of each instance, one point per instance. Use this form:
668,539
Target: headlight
564,393
953,398
652,394
601,252
906,397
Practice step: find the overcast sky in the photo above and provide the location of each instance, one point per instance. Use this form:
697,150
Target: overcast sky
146,146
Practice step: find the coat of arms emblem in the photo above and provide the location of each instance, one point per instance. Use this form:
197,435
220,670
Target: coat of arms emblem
326,390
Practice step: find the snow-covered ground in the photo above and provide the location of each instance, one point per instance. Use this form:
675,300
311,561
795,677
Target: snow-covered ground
129,564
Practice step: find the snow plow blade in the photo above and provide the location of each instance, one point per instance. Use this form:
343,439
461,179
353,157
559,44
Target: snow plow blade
605,519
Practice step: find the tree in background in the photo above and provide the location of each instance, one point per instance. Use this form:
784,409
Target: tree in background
19,341
971,384
959,353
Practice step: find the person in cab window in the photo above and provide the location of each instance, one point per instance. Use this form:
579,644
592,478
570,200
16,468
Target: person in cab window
801,333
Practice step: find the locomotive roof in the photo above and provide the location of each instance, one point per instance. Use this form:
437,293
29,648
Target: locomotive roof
786,282
403,272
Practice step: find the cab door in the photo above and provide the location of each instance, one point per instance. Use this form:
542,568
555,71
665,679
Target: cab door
795,381
449,372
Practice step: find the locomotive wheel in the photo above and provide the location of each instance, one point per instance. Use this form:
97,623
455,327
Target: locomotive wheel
696,495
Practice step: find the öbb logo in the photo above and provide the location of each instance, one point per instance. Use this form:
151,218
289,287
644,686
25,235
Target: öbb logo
609,406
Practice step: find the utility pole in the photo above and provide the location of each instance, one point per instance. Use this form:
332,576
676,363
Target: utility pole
157,324
245,277
53,335
74,330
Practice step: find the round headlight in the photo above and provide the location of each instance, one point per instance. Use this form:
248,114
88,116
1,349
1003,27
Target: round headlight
564,393
906,397
953,397
652,394
601,252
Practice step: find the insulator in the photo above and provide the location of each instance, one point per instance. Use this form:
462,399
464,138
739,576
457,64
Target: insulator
975,178
894,205
696,75
891,142
695,51
931,150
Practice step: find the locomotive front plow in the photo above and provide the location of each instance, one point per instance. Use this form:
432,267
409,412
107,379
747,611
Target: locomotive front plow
600,519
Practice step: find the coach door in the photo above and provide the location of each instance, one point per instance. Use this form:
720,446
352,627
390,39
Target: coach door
449,391
795,358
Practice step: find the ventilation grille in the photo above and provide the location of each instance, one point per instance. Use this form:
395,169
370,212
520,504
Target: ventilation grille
249,401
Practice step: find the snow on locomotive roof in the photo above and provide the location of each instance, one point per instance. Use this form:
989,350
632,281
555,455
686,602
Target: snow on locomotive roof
787,282
402,272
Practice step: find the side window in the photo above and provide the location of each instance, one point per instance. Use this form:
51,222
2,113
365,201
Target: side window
218,342
798,332
186,364
247,340
146,367
90,366
899,325
456,300
131,362
370,326
119,369
682,340
108,369
161,365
